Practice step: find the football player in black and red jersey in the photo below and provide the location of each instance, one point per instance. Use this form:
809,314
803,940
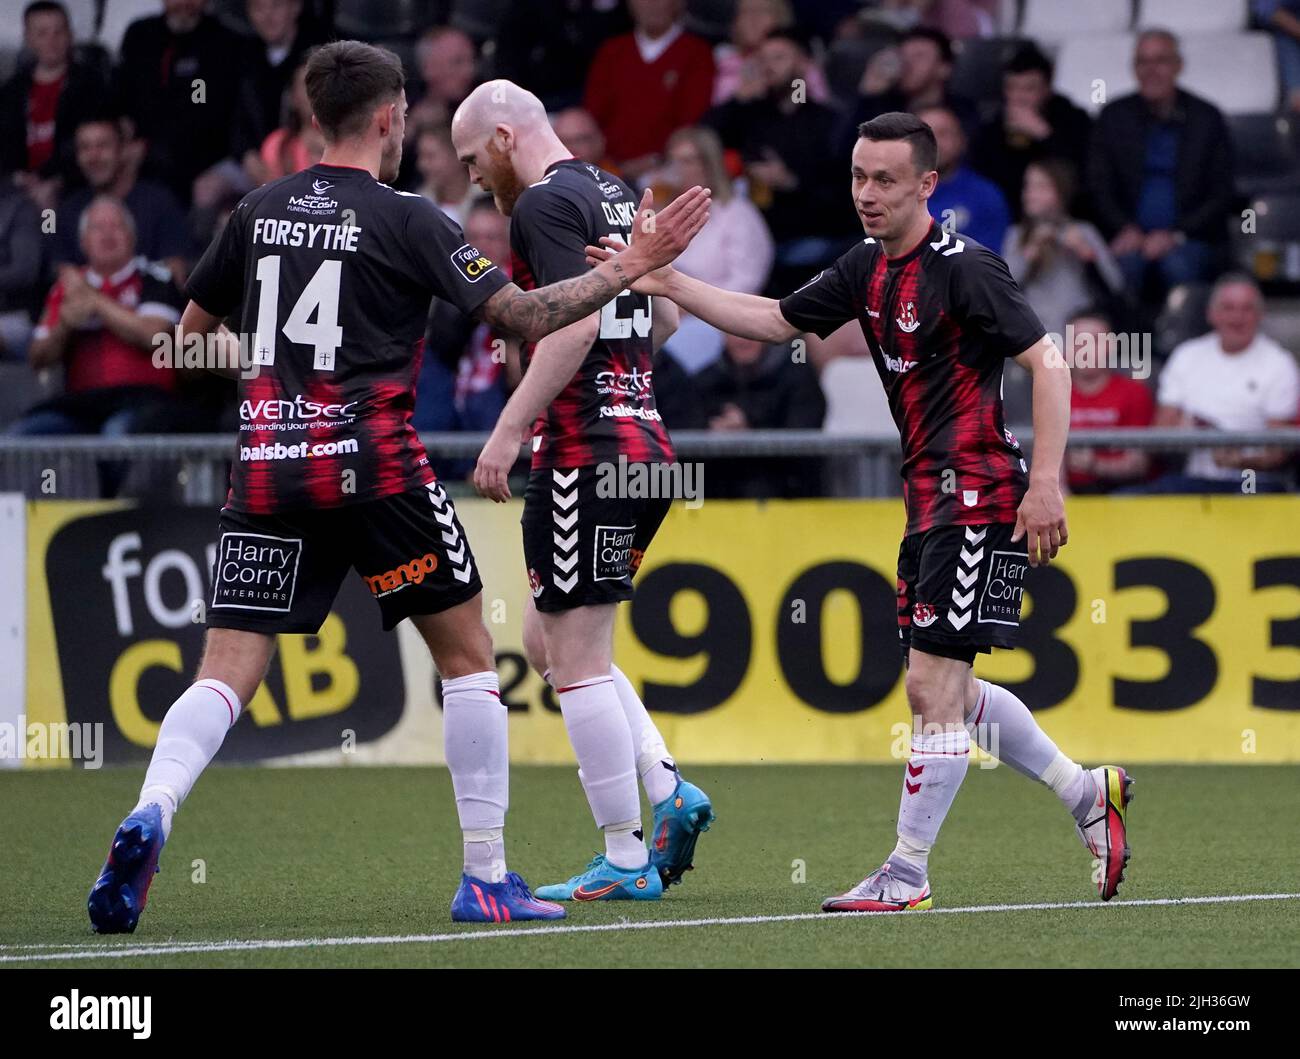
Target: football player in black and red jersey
587,403
941,314
332,271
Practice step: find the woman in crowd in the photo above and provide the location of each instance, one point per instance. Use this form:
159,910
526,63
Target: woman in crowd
734,250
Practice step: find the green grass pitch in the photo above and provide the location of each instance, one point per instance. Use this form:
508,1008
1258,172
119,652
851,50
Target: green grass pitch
373,853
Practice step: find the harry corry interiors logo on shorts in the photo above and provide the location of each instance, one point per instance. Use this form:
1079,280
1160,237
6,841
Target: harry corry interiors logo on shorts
256,572
613,552
1004,588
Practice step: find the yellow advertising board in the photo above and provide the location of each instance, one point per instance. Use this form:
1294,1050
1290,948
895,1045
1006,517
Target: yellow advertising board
1169,630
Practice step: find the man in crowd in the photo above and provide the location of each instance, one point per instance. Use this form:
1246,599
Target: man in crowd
646,84
1233,378
1161,172
42,103
963,200
106,166
1033,123
99,325
178,77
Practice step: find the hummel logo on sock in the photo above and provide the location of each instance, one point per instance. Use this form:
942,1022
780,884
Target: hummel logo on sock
639,835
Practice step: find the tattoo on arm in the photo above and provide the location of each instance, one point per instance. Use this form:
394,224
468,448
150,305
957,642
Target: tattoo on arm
534,314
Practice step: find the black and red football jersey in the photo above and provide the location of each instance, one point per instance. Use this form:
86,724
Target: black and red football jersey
608,408
940,321
332,273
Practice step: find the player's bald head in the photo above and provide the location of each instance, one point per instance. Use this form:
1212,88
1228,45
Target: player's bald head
495,103
502,135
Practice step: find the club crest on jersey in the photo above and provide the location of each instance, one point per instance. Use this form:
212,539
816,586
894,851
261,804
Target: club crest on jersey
471,263
923,615
907,320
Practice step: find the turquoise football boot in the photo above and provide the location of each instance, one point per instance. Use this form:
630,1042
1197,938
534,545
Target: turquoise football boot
679,819
603,881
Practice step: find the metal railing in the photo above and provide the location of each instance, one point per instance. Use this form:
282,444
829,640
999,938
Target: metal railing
194,468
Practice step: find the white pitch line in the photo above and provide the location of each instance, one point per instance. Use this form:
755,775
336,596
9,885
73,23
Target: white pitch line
124,952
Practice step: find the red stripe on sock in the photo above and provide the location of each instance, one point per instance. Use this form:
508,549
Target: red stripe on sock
589,684
229,704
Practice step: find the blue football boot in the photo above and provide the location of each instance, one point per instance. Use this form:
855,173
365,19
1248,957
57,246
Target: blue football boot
119,894
507,901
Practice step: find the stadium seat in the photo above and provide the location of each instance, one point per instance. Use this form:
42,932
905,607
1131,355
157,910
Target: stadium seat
234,14
847,58
1272,251
8,61
1182,317
20,388
711,19
1235,71
1008,17
1105,61
82,15
855,400
1213,68
11,39
479,19
373,19
1053,22
977,73
1193,16
1266,151
118,14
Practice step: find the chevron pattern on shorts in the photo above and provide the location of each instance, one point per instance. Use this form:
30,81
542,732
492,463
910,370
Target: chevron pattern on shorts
968,568
456,550
564,513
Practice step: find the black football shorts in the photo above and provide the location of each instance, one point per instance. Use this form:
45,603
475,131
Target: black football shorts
960,589
583,548
280,572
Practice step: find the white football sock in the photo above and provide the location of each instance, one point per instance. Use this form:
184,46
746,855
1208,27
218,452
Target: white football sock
1005,727
191,734
625,845
930,782
602,743
475,738
655,765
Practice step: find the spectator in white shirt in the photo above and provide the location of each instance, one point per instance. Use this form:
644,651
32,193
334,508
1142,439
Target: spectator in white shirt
1233,378
733,251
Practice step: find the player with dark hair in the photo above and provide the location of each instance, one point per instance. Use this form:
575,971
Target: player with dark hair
332,272
941,313
587,401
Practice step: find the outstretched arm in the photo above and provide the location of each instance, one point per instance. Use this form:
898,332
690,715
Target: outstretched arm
746,315
658,239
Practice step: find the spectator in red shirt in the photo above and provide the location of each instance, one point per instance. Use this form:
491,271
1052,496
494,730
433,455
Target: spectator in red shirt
99,323
1102,398
645,85
42,103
